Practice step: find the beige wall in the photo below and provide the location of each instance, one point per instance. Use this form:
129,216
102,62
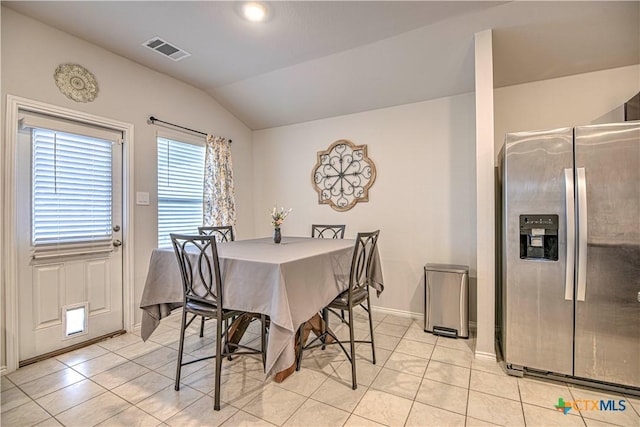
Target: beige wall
567,101
128,92
423,199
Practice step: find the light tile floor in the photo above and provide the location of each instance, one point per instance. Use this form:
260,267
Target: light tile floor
419,380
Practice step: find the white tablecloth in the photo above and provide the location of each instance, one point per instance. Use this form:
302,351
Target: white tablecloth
289,282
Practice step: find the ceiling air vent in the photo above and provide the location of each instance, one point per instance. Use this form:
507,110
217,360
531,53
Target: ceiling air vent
166,49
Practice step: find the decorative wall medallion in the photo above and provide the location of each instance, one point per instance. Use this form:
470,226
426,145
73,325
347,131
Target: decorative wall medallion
76,82
343,175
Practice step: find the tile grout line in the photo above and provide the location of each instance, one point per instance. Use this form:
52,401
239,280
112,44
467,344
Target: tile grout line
31,400
326,377
524,418
466,409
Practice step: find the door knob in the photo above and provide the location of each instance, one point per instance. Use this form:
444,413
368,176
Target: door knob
117,243
116,228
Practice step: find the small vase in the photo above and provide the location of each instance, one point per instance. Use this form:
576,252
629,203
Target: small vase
277,237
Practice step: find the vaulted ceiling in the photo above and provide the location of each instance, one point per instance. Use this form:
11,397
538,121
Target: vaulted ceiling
317,59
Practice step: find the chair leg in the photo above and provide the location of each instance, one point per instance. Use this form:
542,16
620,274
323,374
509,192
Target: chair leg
216,399
202,327
227,348
263,342
373,347
180,349
300,345
325,325
354,382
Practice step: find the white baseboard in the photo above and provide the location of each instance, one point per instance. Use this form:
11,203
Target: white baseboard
3,370
411,315
485,356
399,313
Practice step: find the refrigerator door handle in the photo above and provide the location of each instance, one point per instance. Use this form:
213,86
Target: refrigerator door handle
571,234
582,234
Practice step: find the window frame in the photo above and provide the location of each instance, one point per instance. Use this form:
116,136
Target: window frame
162,237
40,135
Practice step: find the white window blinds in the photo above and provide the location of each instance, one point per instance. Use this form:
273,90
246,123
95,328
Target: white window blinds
180,183
72,188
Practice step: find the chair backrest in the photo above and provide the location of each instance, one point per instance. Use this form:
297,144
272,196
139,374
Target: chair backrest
361,262
328,231
199,267
223,233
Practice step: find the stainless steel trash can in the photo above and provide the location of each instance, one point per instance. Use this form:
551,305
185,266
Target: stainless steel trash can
446,300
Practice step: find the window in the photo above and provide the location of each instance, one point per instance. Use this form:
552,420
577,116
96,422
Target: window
72,188
180,182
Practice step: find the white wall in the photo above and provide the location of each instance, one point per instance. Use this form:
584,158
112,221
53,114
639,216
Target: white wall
485,195
423,199
128,92
567,101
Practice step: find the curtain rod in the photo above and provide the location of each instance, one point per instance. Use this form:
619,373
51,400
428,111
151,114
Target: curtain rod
153,120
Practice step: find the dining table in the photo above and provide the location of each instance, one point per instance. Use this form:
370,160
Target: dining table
290,282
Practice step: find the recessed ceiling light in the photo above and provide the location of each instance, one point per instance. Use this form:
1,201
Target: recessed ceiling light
254,11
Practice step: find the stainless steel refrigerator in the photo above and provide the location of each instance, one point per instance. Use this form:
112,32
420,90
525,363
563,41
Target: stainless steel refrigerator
571,253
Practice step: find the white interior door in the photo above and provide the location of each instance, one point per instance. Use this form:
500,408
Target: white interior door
69,219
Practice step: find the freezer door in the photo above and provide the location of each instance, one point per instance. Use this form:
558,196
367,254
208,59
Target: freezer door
607,341
538,293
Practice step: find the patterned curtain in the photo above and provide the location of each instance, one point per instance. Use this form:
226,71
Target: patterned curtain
219,194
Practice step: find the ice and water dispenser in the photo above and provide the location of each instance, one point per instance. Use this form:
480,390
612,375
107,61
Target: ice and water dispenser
539,237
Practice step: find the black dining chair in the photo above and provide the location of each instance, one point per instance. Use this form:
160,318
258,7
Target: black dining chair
325,231
328,231
357,294
203,296
223,233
